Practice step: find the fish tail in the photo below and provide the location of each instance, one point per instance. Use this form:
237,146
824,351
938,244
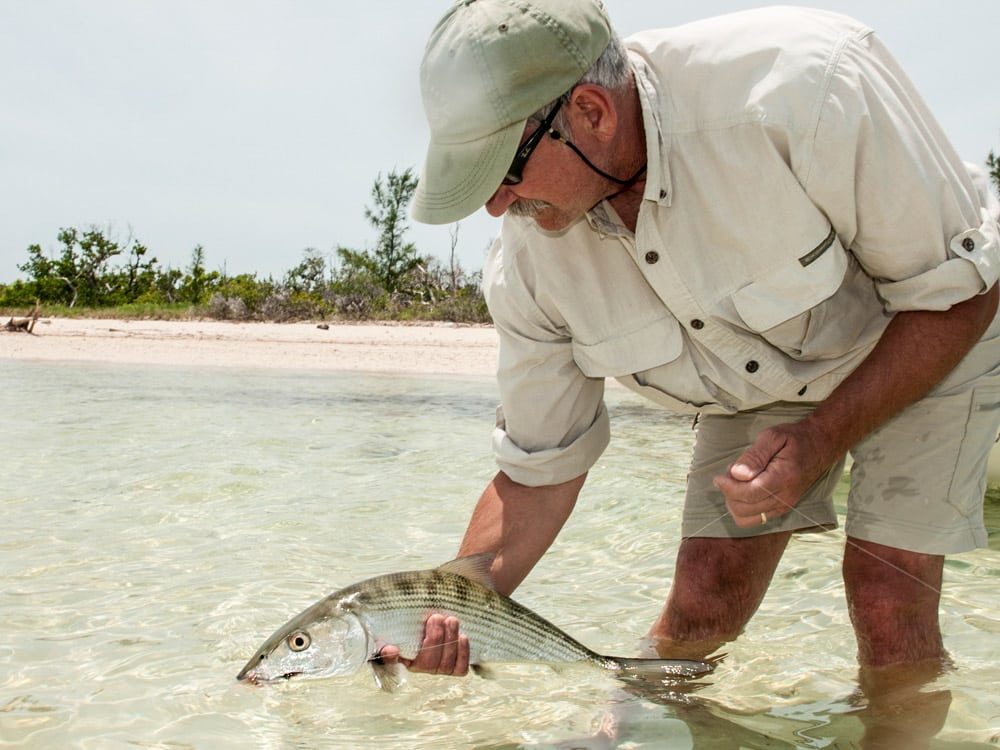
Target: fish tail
652,668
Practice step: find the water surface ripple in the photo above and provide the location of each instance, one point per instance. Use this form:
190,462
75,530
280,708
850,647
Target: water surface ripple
159,522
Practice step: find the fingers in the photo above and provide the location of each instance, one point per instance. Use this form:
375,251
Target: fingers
444,650
753,502
758,457
387,654
766,481
747,511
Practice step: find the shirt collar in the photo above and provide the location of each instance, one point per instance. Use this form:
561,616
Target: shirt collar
658,187
658,170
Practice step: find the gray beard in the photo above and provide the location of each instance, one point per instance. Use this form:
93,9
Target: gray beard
527,208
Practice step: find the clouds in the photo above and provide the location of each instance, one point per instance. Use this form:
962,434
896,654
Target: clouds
249,129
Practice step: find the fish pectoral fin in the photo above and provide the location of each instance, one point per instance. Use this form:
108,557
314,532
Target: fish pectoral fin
388,677
474,567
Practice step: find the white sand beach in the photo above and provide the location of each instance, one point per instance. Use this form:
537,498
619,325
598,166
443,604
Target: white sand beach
429,349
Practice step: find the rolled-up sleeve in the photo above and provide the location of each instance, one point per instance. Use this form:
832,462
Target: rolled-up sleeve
922,223
552,424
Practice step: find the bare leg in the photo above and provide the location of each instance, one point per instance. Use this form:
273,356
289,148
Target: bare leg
718,585
900,714
893,597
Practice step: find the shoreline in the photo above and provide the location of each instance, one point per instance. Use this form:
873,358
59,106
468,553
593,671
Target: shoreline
429,349
390,348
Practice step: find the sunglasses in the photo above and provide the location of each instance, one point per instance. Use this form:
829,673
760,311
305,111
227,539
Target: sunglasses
516,168
528,147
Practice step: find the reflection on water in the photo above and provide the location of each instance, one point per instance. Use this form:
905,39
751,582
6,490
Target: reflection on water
158,523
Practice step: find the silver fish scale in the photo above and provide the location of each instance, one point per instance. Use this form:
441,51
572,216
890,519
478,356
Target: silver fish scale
499,629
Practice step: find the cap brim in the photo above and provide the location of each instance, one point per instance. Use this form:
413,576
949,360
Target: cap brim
459,178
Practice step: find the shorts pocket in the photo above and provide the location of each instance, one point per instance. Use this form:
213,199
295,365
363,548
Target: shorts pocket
979,445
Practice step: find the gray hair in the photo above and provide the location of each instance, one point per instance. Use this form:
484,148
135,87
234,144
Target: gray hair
611,71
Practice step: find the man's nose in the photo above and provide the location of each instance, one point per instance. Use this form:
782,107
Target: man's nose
500,201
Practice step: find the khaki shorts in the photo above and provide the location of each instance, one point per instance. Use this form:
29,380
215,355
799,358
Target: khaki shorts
916,483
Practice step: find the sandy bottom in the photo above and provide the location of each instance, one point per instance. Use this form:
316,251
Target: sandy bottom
433,349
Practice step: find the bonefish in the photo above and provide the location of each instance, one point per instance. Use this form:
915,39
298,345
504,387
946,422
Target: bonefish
341,633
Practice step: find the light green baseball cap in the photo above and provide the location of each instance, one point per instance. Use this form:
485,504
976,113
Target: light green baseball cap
489,65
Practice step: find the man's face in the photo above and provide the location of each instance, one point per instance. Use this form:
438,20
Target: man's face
555,191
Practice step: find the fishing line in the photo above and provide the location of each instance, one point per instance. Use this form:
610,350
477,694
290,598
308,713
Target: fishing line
847,539
377,657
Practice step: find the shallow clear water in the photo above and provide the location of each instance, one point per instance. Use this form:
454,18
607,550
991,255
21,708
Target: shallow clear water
158,523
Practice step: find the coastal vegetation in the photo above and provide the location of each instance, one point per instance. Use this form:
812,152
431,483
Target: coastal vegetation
94,273
97,274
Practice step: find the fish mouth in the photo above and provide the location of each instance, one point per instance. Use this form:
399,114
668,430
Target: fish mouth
255,679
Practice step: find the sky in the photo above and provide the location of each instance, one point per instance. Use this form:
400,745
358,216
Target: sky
256,128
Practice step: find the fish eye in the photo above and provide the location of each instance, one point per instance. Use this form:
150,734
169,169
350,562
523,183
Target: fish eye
299,640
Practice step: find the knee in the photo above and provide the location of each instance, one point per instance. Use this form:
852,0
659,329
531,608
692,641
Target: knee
719,584
702,609
889,583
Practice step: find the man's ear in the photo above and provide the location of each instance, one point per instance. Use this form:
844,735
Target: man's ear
592,112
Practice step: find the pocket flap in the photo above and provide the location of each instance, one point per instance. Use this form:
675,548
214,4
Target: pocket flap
654,344
793,288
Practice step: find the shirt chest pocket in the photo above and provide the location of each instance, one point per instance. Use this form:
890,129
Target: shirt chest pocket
650,345
812,307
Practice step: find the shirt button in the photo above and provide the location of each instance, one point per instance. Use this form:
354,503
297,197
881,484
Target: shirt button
803,391
663,194
752,366
697,324
652,257
968,244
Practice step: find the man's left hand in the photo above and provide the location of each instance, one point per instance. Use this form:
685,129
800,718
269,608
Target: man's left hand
773,473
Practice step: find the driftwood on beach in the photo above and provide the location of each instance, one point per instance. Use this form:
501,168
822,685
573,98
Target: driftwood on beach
25,325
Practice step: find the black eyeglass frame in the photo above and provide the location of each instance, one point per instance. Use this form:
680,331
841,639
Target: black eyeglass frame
516,168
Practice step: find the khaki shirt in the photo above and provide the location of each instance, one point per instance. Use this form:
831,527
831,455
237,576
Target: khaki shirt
798,194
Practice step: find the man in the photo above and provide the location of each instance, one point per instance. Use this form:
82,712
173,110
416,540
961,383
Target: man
753,218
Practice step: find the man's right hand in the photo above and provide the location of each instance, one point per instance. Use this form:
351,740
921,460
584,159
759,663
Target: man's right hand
443,650
506,522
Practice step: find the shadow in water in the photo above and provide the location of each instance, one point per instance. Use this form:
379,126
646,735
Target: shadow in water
893,708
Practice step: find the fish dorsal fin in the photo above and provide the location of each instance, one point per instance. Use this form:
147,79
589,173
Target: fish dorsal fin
474,567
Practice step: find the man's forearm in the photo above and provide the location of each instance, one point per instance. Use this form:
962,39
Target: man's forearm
917,350
518,524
